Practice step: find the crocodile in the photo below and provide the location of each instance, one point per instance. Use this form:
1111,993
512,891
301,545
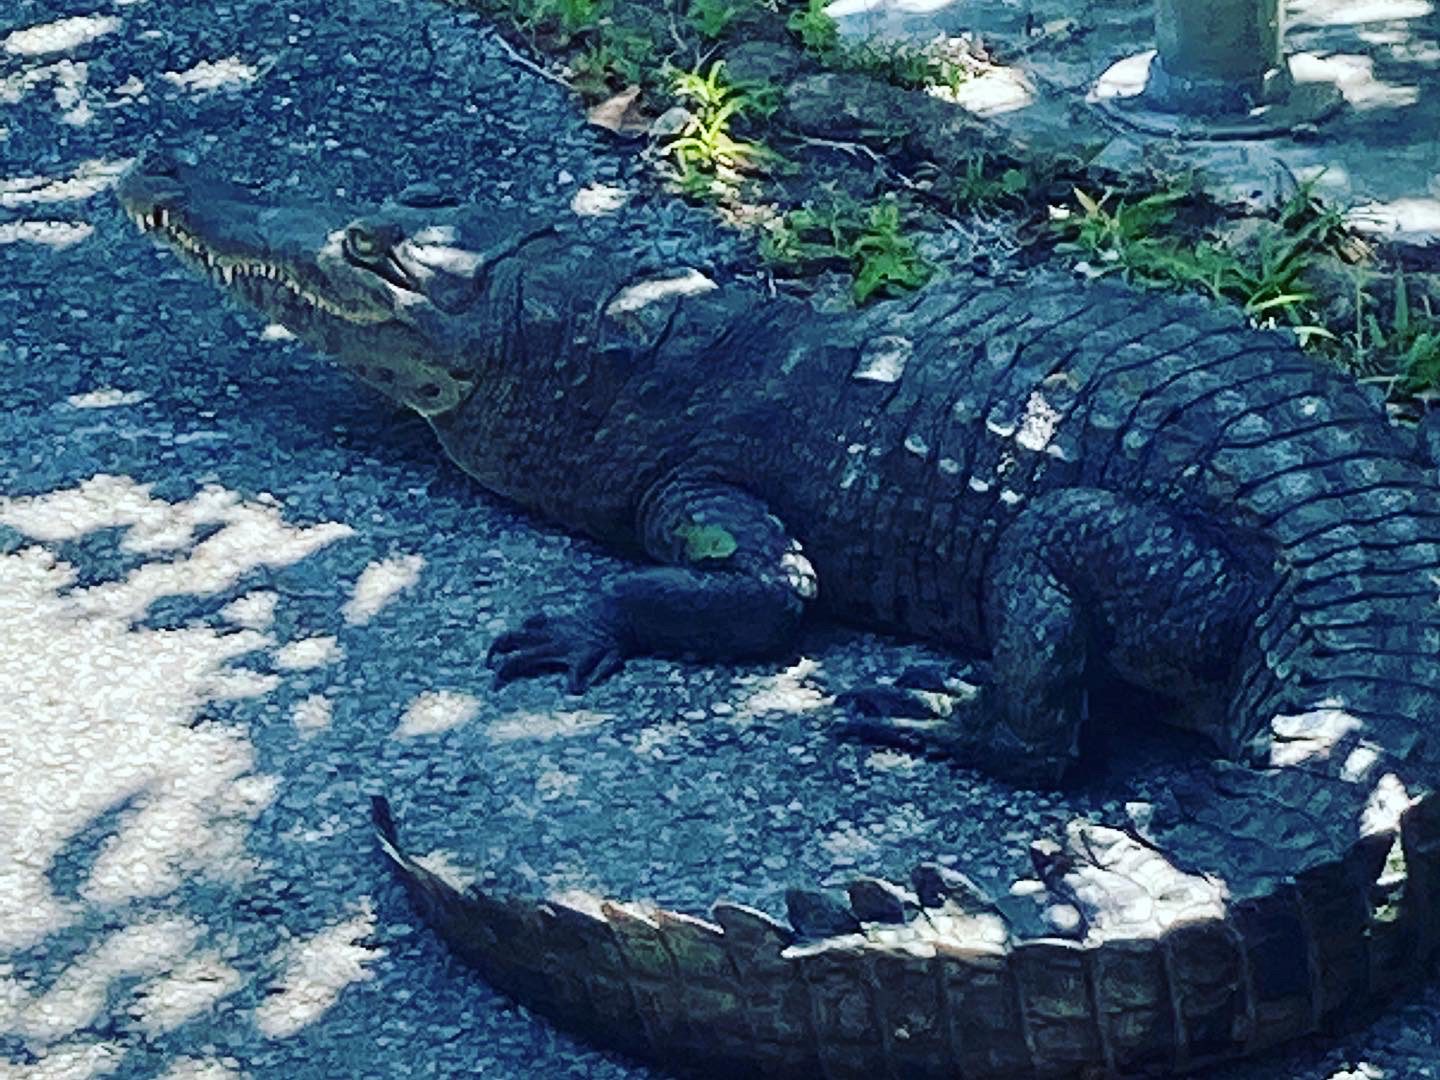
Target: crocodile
1072,481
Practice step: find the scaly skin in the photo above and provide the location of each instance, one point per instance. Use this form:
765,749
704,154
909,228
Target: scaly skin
1077,482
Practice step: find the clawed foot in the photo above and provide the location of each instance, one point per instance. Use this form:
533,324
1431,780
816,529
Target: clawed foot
916,713
587,654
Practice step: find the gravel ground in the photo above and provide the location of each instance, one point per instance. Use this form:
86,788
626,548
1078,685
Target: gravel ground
239,594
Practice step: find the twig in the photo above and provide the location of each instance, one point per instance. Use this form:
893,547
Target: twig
526,62
675,33
848,147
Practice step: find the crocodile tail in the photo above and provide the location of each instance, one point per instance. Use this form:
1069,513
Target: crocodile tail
1110,961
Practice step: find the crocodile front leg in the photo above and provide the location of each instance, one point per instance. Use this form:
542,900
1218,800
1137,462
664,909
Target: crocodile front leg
735,584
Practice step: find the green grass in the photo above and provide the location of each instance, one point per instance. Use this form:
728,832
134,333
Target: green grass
1139,239
569,16
816,30
979,184
912,67
713,19
617,57
1406,348
866,240
1143,240
709,160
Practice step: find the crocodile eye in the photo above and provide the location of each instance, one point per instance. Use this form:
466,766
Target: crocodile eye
361,242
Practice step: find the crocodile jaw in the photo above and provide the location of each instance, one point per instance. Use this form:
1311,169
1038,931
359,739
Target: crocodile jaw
289,263
260,282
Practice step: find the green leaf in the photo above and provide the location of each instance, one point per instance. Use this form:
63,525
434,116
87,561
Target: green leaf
1283,300
706,542
1013,181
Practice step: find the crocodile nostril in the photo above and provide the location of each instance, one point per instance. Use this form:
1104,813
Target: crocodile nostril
159,163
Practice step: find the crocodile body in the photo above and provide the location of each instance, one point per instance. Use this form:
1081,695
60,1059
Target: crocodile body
1072,481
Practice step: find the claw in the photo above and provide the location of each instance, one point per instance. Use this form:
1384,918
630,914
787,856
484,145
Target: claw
949,679
922,737
522,665
594,667
585,654
891,701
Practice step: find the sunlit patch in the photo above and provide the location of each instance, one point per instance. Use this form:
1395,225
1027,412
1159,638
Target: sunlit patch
1383,809
189,1068
252,534
1409,215
72,1061
991,93
53,234
1354,76
307,654
1359,762
188,819
108,398
1128,889
69,79
60,35
553,785
132,87
1405,49
1390,885
632,298
848,843
78,997
788,691
655,739
312,714
458,261
545,725
93,742
189,988
598,199
89,178
1038,425
378,584
444,235
436,711
891,761
78,747
883,359
317,969
1356,12
839,9
855,455
1363,1070
1310,736
70,82
15,87
254,611
230,72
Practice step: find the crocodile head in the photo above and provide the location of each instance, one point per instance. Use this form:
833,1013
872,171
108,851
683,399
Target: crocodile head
390,294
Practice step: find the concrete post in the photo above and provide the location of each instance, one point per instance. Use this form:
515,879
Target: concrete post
1217,56
1219,71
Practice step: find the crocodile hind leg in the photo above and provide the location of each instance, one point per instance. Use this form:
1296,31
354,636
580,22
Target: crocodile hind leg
1087,581
735,584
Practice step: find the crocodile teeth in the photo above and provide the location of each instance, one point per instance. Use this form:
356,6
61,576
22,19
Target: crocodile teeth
227,274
